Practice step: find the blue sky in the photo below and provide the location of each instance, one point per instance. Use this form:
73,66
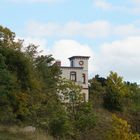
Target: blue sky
107,30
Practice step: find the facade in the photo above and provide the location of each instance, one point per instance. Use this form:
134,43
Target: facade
77,72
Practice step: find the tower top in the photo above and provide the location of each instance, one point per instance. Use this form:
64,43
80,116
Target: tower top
79,57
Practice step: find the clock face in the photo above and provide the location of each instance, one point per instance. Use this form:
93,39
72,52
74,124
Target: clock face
81,63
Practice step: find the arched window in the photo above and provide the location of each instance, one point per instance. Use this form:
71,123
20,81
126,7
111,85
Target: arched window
73,76
83,78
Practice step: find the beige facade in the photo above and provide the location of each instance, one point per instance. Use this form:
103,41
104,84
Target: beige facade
78,72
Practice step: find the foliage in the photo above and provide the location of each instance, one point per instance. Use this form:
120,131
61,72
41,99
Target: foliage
32,92
115,92
96,88
134,96
70,92
86,118
70,95
60,126
121,130
96,92
80,113
101,80
48,72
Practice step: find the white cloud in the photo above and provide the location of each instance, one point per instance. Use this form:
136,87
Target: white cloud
35,28
121,56
93,30
34,1
136,1
71,29
63,49
128,7
103,4
40,42
126,30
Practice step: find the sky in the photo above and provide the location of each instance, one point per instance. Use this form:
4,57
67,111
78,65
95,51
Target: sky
106,30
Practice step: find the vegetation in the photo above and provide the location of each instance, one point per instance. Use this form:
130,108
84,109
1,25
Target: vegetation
115,96
116,91
121,130
29,87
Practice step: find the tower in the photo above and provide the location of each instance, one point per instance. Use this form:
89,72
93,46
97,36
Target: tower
82,77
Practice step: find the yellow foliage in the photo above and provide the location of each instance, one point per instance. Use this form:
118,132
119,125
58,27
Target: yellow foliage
121,130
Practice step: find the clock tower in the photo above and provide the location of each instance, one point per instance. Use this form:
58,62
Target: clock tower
80,62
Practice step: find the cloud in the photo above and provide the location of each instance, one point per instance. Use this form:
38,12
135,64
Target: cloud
103,4
99,29
121,56
40,42
127,30
63,49
128,7
34,1
92,30
135,1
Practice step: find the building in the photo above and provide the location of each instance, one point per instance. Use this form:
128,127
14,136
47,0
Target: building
77,72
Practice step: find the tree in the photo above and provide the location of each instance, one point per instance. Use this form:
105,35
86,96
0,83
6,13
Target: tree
48,72
70,95
133,105
6,88
115,92
85,120
101,80
33,93
80,113
134,96
59,124
121,130
96,93
17,79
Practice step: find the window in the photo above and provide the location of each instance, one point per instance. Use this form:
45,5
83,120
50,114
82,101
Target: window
83,78
71,63
73,76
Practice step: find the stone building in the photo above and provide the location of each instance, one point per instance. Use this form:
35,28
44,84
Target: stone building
77,72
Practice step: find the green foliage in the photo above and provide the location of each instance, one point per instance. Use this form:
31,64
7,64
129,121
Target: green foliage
60,125
134,97
53,117
81,114
101,80
71,96
48,73
70,92
6,36
96,92
96,88
115,92
32,92
86,118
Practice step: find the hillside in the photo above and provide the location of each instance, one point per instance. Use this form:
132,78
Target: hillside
29,86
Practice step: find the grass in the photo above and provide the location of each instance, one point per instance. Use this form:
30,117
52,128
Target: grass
12,133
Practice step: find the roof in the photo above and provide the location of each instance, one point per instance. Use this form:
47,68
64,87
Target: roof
87,57
65,67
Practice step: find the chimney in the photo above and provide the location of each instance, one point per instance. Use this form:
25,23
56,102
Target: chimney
58,63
